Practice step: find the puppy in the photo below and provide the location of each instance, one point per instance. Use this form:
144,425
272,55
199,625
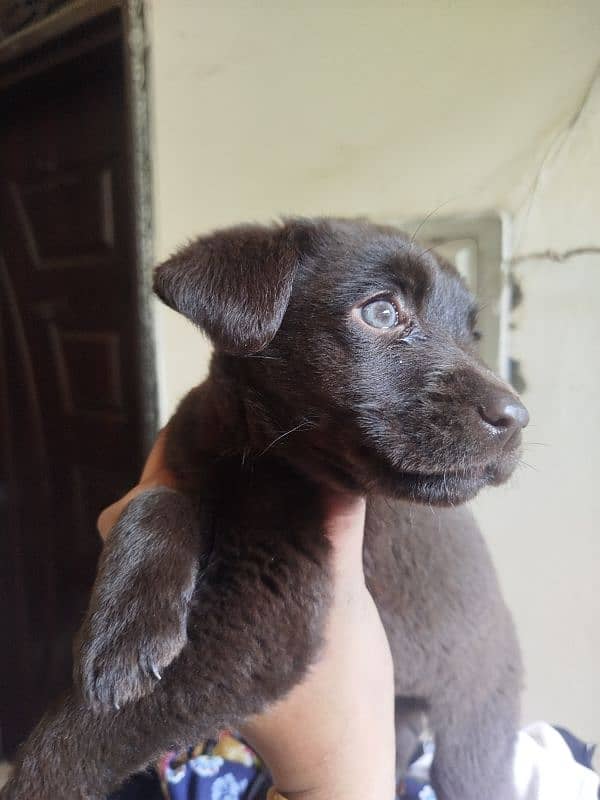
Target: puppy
346,359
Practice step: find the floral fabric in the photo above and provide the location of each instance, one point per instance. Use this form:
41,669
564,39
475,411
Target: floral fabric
222,770
228,770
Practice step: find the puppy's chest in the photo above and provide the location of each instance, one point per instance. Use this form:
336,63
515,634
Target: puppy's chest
258,518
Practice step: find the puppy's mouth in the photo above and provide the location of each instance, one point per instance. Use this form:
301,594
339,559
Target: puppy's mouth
451,486
448,488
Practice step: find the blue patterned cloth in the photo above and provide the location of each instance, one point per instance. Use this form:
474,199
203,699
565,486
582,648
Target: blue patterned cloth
229,770
223,770
209,778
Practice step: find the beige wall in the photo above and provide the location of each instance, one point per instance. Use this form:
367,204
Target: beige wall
544,529
390,110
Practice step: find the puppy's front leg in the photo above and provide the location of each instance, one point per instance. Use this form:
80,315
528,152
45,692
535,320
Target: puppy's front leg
137,618
254,628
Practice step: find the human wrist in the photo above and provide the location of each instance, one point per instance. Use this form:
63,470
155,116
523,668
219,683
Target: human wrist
347,775
336,792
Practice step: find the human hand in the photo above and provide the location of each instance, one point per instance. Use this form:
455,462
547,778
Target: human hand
333,735
154,474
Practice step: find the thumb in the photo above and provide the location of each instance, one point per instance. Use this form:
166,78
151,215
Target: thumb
344,527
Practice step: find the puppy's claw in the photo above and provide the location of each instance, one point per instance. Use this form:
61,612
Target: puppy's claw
111,676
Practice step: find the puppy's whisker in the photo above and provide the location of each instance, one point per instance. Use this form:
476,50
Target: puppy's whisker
426,219
284,434
527,464
429,249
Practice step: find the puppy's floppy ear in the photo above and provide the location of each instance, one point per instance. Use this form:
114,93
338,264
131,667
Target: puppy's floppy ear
235,284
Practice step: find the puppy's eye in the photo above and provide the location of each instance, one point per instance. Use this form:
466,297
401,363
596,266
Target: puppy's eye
472,323
380,314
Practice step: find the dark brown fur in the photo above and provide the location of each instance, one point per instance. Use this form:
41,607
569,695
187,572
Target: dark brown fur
220,588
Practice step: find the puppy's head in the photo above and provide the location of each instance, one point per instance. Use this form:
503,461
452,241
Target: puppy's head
356,352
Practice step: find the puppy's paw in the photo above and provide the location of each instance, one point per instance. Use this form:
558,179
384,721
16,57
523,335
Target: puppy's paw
136,623
112,670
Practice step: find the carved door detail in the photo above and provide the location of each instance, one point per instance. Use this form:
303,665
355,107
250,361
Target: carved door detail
70,410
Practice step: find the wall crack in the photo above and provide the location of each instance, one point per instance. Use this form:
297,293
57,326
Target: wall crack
551,156
555,255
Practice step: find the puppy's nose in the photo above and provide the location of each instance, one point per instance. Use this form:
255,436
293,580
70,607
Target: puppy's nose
504,413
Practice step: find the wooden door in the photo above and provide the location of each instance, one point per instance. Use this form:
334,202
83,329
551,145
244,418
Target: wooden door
70,399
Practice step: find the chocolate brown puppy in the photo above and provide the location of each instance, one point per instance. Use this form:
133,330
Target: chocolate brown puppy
345,358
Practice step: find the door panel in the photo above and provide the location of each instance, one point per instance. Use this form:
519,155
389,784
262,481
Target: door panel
72,418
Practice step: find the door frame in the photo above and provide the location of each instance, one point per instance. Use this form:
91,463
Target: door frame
54,39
